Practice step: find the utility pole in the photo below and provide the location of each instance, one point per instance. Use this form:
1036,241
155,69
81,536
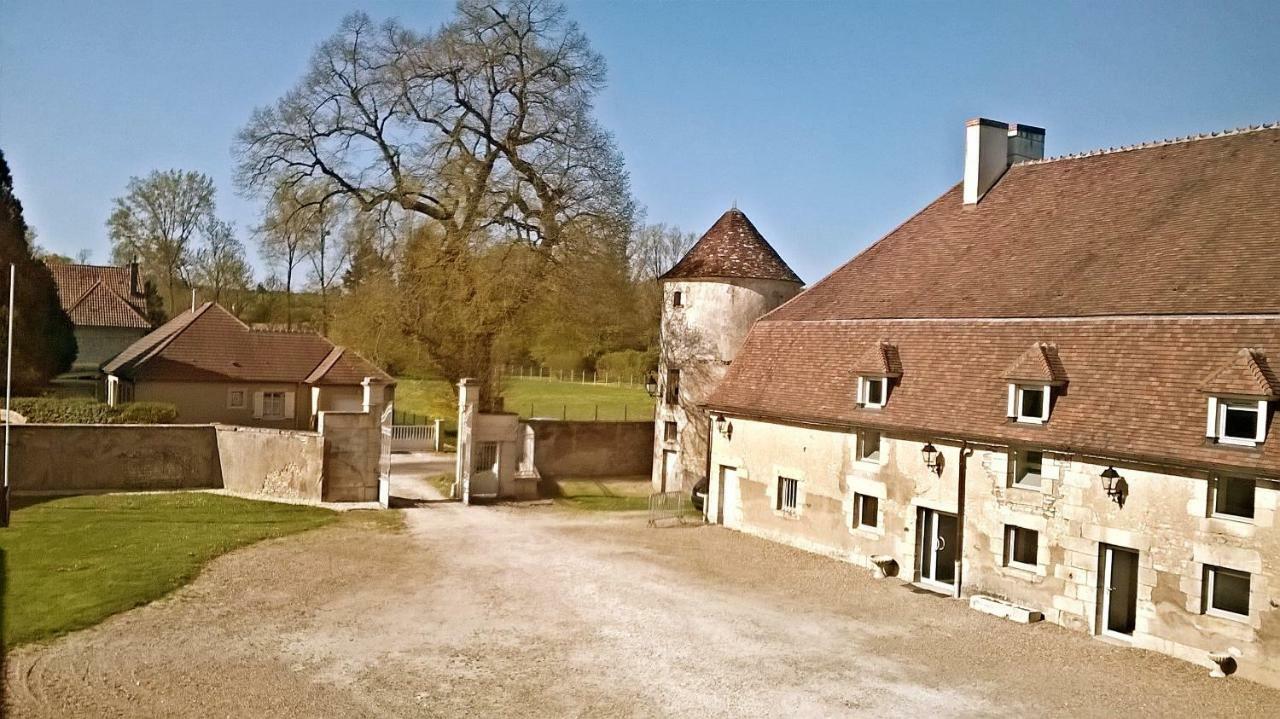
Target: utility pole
8,413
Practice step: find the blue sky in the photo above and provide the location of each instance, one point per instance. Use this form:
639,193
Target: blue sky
828,123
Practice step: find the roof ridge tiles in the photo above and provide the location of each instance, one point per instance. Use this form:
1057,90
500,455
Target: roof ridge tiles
1154,143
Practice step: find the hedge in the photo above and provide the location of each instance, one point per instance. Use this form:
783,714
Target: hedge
84,410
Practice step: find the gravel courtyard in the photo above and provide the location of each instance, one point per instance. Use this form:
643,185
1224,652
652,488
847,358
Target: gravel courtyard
543,611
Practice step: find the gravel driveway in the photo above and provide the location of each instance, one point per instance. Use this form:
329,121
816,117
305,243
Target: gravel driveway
542,611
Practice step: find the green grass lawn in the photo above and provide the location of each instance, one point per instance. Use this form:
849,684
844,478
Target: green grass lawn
613,494
530,397
71,562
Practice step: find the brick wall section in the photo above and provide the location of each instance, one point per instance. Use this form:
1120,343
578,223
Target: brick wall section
592,449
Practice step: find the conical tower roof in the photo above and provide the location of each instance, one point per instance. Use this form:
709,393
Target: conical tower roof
733,247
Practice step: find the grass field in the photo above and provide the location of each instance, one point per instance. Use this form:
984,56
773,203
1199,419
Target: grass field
71,562
531,397
614,494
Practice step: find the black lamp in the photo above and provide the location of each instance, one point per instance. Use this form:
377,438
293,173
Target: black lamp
930,455
723,425
651,384
1114,485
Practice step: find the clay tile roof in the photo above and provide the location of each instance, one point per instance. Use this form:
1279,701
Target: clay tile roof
1184,228
99,296
211,344
880,360
1038,364
733,247
1248,374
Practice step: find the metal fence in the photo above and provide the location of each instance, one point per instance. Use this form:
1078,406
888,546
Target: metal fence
671,508
415,437
620,379
584,411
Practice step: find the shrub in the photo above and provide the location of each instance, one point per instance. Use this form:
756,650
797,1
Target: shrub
148,413
627,362
85,410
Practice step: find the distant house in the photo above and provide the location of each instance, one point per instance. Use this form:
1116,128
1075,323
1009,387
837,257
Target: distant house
108,308
215,368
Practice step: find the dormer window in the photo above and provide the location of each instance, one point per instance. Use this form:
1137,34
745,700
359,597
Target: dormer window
1235,421
1029,402
873,391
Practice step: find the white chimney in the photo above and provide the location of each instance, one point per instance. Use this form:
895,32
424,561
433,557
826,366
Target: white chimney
990,147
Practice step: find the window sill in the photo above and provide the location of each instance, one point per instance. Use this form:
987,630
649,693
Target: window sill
1037,488
787,513
873,461
1234,518
1230,616
1033,570
868,532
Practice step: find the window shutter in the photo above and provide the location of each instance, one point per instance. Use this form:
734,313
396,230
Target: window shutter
1012,410
1211,423
257,405
288,405
1262,421
861,399
1044,407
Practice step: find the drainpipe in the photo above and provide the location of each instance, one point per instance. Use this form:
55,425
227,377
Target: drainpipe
965,452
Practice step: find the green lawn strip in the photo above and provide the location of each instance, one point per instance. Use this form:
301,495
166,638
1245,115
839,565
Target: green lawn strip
613,494
443,484
71,562
531,397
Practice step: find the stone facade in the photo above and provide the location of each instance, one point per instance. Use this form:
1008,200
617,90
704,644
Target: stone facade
701,334
1166,517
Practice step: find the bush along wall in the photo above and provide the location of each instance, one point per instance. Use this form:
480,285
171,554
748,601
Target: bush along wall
78,410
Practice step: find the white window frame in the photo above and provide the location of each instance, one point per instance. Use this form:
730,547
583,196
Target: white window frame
670,431
1019,459
268,399
1215,504
859,500
1210,580
1014,409
864,391
1010,545
1216,424
781,502
874,457
244,398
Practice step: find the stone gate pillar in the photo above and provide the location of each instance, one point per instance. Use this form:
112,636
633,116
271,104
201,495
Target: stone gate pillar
468,411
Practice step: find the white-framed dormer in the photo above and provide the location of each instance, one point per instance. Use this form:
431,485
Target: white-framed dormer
873,392
1237,399
1237,421
1029,403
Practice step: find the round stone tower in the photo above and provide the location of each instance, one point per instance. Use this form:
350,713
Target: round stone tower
712,296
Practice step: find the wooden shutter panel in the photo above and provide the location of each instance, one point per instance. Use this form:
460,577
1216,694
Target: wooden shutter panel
257,405
1013,398
288,405
1262,422
1211,423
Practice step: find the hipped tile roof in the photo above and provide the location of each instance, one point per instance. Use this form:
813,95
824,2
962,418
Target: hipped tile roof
1247,374
210,345
1038,364
1146,271
99,296
732,248
1134,389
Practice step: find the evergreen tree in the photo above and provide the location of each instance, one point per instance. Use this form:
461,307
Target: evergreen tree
44,342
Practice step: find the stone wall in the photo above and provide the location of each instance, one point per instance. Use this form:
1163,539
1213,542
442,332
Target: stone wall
1165,518
592,449
352,448
272,463
67,457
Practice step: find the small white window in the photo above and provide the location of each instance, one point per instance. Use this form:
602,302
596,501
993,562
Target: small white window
669,431
788,494
273,405
869,446
236,399
1241,422
1021,547
1226,592
677,299
1029,403
1233,497
1028,469
873,391
866,511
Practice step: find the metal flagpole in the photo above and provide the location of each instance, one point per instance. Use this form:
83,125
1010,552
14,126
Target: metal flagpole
8,385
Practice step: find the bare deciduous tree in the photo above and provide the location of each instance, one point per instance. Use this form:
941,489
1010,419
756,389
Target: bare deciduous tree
483,128
157,220
219,265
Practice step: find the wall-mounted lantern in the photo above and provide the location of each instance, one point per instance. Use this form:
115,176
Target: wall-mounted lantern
1114,485
651,384
724,426
931,455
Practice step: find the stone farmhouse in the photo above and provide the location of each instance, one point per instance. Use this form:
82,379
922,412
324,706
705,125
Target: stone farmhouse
107,306
215,368
1053,387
